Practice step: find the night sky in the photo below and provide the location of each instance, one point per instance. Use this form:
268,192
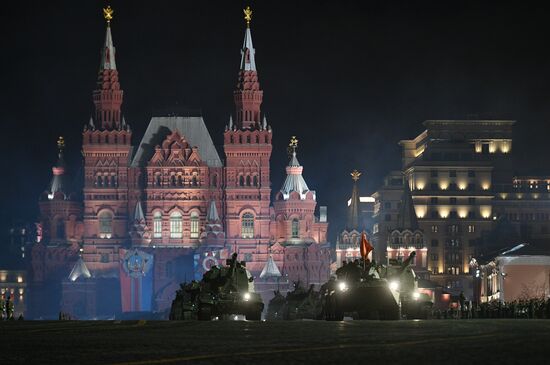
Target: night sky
349,79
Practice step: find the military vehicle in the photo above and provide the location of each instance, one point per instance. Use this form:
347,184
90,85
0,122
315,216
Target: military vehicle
368,291
222,292
298,304
275,306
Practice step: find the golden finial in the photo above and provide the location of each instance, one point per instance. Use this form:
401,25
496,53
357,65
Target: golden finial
293,142
247,15
355,175
61,143
108,14
292,145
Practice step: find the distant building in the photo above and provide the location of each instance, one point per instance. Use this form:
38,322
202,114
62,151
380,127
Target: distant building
466,197
13,285
517,274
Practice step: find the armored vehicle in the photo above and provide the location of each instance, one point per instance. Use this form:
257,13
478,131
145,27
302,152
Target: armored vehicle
275,306
224,291
301,303
367,291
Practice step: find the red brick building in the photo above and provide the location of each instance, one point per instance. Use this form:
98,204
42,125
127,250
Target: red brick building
160,212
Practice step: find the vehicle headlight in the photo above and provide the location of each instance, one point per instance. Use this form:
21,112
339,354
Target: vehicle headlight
416,295
342,286
394,285
247,296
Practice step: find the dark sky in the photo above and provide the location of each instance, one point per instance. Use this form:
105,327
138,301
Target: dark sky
349,78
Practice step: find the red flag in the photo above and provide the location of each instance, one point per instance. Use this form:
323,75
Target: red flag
366,247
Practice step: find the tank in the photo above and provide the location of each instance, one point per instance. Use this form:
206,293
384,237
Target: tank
275,306
222,292
413,303
301,303
369,291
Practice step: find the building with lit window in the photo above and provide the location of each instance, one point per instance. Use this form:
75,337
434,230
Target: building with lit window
163,210
13,286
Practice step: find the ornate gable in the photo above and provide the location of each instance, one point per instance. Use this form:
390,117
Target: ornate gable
176,151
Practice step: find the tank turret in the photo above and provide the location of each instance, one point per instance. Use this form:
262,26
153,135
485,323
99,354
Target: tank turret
223,291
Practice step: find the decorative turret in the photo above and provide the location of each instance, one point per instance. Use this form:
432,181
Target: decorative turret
353,209
58,206
108,95
248,96
294,181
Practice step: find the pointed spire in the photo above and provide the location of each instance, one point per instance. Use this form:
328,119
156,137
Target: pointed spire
247,52
91,124
138,215
264,123
230,122
270,269
248,96
108,52
353,209
407,215
108,96
213,216
58,179
79,269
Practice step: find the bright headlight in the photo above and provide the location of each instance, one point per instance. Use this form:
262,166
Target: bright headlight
394,285
342,286
416,295
246,296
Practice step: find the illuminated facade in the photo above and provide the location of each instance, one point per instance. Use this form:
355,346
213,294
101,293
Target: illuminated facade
454,169
13,286
163,211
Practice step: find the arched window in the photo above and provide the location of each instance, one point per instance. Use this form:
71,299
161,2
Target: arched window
255,180
99,182
247,225
247,180
59,228
105,225
157,225
176,226
173,180
180,180
194,180
241,180
215,180
113,180
194,225
295,228
158,180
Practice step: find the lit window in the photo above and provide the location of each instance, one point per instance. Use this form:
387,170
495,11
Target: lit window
247,226
194,225
105,225
157,225
176,226
471,228
295,228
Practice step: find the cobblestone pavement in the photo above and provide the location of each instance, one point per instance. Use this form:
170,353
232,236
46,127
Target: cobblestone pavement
299,342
